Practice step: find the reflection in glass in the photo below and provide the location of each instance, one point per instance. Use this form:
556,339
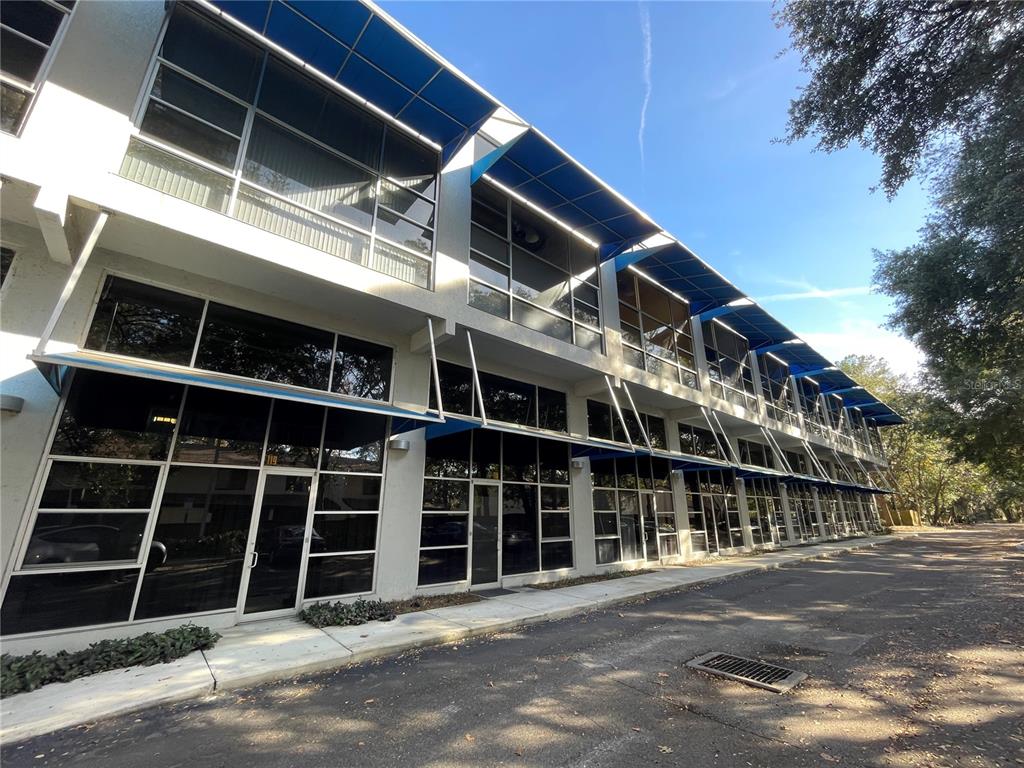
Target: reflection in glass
339,575
44,601
353,441
88,485
120,417
294,437
260,347
448,456
444,530
438,566
362,369
281,530
199,543
220,427
556,554
85,537
143,321
485,533
344,533
348,492
519,528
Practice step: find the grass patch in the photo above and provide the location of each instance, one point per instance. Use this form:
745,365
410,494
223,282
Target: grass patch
26,673
362,611
591,579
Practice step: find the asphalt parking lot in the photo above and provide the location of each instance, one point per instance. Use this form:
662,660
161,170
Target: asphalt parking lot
914,651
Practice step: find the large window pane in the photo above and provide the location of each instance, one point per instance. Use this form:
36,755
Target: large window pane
520,458
487,454
539,282
344,533
413,236
448,456
490,208
552,413
294,438
221,427
143,321
343,493
487,299
556,554
85,537
118,417
599,420
438,566
260,347
45,601
446,495
456,388
607,551
213,53
410,163
37,20
88,485
362,369
509,400
199,543
20,57
554,462
339,575
444,530
539,320
540,236
353,441
189,134
519,528
198,100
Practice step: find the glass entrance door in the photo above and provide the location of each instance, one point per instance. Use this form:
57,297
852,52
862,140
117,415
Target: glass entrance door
277,544
486,533
650,526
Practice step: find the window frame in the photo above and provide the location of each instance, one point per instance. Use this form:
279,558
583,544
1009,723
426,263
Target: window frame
31,90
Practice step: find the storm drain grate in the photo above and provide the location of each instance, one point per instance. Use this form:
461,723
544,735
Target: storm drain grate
749,671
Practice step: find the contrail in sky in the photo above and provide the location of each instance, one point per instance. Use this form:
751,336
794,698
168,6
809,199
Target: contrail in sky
645,32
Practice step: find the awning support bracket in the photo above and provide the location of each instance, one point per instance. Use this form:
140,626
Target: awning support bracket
618,411
476,379
639,420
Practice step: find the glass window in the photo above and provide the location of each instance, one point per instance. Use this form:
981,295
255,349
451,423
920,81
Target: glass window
221,427
296,169
489,271
47,601
362,369
143,321
199,542
552,410
602,473
94,485
339,575
556,554
446,495
353,441
409,163
344,533
85,537
348,493
519,528
607,551
487,299
456,388
191,97
537,319
185,132
448,456
259,347
119,417
554,462
599,420
509,400
444,530
294,437
538,282
520,458
540,236
438,566
490,208
486,454
213,53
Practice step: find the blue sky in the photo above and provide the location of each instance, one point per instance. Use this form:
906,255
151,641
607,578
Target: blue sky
793,228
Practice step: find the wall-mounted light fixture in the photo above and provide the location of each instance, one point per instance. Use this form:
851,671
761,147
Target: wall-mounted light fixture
11,403
578,463
398,444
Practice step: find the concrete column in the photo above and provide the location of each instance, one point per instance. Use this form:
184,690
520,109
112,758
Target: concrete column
787,514
401,506
755,372
582,493
682,514
699,356
741,499
822,531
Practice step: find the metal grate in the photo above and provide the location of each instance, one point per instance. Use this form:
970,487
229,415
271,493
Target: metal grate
749,671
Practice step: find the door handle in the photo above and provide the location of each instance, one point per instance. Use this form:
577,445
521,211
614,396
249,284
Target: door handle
255,559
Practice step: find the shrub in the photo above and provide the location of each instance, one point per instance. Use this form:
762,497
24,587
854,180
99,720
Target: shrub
26,673
347,614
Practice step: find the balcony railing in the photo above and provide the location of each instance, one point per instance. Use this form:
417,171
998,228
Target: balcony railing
200,184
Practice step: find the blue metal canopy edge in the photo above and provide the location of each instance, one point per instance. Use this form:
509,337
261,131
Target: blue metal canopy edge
56,366
354,45
680,270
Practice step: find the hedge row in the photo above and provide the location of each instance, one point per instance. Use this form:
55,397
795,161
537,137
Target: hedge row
26,673
347,614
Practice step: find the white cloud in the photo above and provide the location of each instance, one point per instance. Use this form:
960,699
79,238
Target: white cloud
817,293
858,336
645,32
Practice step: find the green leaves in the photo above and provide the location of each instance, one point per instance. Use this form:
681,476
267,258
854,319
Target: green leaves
347,614
26,673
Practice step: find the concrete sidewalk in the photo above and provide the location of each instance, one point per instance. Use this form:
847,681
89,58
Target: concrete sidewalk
259,652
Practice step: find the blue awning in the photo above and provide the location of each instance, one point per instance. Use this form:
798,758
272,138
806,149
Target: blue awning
801,358
354,45
56,366
536,168
678,269
755,324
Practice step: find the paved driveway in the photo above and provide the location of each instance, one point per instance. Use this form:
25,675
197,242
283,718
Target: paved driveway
915,652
